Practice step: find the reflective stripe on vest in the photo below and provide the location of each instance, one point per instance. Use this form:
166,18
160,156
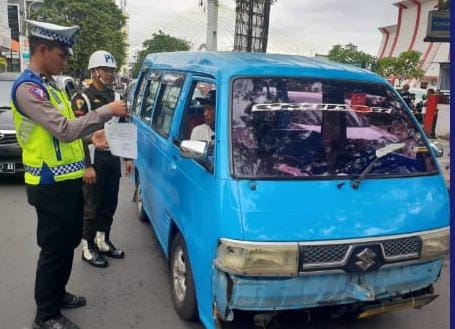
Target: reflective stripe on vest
46,159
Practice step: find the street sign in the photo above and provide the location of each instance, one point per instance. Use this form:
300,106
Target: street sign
438,29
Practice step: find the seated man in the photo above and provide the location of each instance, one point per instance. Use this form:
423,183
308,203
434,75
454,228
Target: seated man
206,131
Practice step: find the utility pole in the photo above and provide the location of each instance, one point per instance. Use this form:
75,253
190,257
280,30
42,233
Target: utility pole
212,25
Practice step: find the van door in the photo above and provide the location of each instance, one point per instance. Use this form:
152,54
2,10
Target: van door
156,148
194,182
146,140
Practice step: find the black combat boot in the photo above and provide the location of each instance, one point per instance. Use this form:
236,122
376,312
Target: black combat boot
91,255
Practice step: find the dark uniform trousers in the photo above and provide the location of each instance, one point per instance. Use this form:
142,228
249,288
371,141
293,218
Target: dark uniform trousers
101,198
59,207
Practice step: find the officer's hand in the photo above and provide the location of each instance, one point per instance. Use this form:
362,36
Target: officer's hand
128,167
89,176
118,108
99,140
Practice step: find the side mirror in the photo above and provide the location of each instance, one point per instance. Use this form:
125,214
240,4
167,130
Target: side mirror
196,150
437,149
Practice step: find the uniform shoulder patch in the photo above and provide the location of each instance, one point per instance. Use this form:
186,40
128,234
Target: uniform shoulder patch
38,93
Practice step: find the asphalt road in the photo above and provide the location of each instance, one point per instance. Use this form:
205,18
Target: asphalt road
134,292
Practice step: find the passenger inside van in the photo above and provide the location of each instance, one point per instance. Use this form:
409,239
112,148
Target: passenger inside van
206,131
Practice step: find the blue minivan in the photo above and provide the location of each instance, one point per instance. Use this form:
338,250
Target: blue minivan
277,182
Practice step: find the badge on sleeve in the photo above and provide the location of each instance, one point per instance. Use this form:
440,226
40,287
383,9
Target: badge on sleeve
38,93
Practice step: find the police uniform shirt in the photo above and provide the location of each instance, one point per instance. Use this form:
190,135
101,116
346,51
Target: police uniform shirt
34,103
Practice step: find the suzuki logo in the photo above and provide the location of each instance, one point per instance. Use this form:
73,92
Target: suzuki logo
365,259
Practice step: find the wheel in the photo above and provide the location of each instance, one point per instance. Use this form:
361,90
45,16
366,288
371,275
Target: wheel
181,277
139,205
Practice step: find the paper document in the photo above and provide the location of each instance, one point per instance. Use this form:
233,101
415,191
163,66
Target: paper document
122,138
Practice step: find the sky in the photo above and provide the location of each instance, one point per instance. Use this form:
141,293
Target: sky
296,26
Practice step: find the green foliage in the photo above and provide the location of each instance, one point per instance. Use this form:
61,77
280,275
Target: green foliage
403,67
443,4
159,43
349,54
101,23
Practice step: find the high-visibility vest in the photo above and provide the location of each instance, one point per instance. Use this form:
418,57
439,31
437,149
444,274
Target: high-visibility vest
46,159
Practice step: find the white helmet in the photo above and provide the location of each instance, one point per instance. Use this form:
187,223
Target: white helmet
101,58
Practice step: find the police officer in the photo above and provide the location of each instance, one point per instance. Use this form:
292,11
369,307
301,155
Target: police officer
102,178
53,158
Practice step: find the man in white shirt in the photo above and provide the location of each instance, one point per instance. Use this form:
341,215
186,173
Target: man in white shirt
206,131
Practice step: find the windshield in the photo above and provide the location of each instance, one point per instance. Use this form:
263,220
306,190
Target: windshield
5,92
291,127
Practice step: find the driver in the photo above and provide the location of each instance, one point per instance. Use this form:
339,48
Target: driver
206,131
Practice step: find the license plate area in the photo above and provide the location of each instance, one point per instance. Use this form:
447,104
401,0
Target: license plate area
7,167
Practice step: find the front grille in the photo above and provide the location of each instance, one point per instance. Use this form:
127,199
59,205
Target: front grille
402,247
339,256
8,139
324,254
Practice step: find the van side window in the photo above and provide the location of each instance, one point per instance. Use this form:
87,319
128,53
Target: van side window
138,93
198,122
169,91
203,94
151,91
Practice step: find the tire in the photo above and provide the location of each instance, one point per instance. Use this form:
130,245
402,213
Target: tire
181,281
141,215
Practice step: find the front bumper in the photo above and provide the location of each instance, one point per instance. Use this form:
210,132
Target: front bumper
233,292
10,154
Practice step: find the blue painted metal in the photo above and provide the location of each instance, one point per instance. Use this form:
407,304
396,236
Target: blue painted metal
206,207
318,210
267,294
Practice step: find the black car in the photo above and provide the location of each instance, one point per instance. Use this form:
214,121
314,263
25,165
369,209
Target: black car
10,151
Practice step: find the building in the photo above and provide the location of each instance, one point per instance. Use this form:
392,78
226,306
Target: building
5,35
409,33
124,70
17,56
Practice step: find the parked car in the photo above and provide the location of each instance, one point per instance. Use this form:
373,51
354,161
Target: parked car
10,151
311,186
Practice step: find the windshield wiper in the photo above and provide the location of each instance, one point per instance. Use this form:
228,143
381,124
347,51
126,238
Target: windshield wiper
380,153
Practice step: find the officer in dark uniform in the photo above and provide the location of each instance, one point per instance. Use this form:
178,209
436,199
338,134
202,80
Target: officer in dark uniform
53,157
102,178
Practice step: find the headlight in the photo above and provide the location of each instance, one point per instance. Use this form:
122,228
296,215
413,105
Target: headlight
249,258
435,244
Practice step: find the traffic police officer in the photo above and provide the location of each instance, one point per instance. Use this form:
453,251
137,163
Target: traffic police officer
53,158
102,178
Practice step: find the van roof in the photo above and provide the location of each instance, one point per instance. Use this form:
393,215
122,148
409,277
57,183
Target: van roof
229,64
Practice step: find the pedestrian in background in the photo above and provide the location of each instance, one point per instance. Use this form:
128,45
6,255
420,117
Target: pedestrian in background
102,177
53,158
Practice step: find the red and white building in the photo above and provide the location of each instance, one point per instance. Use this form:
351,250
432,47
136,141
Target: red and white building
408,34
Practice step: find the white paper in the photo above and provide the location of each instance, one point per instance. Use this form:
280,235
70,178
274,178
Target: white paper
91,151
122,138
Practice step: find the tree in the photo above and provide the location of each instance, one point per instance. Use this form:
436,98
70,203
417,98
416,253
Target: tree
159,43
349,54
403,67
101,23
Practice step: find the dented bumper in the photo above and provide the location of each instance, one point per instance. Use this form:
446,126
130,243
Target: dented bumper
233,292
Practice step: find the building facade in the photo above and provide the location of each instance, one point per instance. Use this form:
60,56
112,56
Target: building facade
124,70
409,33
